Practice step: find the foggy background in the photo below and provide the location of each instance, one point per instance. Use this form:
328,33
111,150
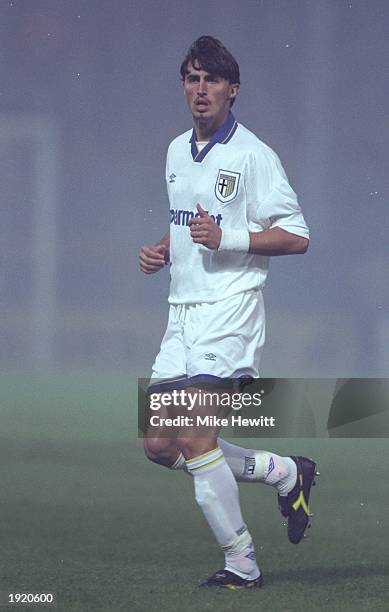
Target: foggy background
90,98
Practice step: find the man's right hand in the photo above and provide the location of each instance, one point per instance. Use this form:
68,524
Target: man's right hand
153,258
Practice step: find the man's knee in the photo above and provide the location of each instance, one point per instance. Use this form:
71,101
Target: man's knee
163,451
193,447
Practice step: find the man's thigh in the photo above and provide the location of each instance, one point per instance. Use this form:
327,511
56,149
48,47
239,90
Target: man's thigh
187,420
200,429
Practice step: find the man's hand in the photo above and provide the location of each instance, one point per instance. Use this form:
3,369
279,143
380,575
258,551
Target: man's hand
153,258
204,230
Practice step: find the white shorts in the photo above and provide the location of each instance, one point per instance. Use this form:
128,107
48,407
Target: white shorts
223,339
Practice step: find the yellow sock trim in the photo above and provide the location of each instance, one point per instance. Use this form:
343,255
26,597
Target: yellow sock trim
207,465
205,460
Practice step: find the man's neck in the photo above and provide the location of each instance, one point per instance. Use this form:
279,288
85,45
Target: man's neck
205,129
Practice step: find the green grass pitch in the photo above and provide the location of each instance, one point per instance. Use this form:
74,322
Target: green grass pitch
85,515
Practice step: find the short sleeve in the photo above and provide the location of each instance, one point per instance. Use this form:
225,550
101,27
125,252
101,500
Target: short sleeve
272,201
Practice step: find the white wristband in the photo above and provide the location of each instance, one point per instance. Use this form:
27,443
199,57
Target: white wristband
235,240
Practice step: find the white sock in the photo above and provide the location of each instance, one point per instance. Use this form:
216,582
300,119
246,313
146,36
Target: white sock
241,563
217,494
250,465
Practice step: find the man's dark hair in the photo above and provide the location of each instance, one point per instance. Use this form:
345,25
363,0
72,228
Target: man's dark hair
210,55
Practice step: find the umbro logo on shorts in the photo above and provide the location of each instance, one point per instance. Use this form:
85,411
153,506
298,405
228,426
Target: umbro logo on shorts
172,178
210,356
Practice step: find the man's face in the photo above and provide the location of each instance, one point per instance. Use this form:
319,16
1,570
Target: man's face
208,96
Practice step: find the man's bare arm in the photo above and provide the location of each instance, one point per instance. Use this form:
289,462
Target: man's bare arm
276,241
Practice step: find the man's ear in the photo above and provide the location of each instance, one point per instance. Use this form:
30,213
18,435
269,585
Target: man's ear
234,91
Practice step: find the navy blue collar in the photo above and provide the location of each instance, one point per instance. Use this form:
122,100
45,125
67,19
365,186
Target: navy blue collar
222,135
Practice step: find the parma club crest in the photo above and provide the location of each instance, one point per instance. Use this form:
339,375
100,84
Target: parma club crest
226,187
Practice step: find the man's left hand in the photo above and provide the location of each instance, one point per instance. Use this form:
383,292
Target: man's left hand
204,230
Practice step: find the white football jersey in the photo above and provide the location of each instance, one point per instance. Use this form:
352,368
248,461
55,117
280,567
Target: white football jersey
240,181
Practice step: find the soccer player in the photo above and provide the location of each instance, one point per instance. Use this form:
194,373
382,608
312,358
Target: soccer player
231,207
